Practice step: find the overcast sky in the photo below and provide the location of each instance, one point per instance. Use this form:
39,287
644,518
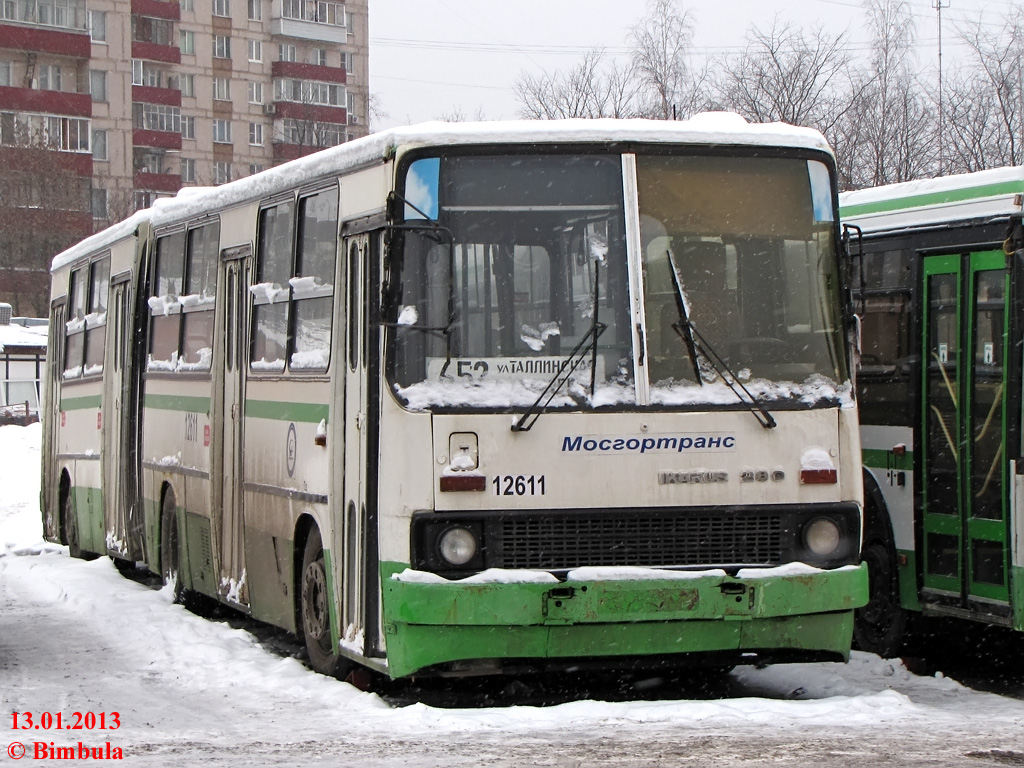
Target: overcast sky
435,58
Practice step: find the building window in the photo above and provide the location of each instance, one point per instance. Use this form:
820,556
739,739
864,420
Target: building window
222,8
98,26
187,5
311,133
255,10
221,89
347,61
149,30
255,92
188,170
99,203
222,131
98,84
318,57
188,127
255,168
310,92
5,73
187,42
187,85
221,172
48,77
256,134
286,52
99,145
255,50
156,117
221,47
68,14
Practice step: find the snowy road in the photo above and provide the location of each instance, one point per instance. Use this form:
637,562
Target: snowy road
77,637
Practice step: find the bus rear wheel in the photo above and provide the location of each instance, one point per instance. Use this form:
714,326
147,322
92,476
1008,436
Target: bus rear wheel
71,534
169,559
314,610
879,627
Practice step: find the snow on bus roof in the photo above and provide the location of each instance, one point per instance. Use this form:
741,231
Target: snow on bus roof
722,128
959,197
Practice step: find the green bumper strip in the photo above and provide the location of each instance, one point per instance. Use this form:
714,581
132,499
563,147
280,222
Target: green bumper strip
427,624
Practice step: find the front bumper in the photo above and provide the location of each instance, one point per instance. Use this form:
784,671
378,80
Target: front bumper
430,624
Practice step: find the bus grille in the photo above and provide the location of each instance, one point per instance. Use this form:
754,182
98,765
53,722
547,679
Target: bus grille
555,542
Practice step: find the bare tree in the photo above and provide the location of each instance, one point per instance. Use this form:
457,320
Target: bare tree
44,208
983,104
789,76
887,135
586,90
661,61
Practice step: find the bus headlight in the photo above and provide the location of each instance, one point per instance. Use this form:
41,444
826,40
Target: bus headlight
822,536
457,546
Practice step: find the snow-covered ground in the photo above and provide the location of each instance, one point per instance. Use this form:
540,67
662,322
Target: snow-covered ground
77,637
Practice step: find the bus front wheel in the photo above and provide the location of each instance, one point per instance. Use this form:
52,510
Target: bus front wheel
879,627
315,610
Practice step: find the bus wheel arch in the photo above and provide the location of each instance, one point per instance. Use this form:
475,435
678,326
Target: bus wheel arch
313,604
880,626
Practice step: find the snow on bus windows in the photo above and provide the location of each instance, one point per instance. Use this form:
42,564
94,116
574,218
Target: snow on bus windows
87,318
183,300
293,298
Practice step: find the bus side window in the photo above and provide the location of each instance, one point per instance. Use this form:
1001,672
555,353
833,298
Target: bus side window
200,297
75,325
164,304
313,285
96,319
272,290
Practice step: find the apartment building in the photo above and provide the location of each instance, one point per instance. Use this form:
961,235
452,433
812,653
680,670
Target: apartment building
107,104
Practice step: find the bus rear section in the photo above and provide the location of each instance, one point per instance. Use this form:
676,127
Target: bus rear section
936,279
616,423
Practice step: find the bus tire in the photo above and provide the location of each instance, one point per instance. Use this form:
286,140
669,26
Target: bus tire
70,523
880,626
314,610
170,548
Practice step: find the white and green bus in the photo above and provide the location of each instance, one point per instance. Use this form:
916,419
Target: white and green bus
472,399
937,284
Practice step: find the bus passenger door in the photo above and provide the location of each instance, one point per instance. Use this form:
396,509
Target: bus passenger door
116,429
963,432
352,539
51,422
227,515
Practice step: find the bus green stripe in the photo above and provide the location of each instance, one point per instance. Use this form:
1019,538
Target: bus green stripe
278,411
178,403
880,459
80,403
933,198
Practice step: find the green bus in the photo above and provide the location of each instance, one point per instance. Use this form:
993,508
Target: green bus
937,280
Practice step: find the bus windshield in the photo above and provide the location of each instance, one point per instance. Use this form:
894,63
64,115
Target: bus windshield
506,264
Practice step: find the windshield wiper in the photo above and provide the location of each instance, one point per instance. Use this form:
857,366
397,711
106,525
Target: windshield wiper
565,371
587,344
698,346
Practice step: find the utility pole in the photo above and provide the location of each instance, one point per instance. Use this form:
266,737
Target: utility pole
938,5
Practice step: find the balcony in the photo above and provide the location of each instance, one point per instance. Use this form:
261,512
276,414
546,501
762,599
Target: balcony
64,43
299,19
315,112
156,139
170,97
46,102
157,182
300,71
27,159
170,54
157,9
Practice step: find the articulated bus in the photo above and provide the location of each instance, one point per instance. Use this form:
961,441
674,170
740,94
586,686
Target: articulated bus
937,281
476,399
